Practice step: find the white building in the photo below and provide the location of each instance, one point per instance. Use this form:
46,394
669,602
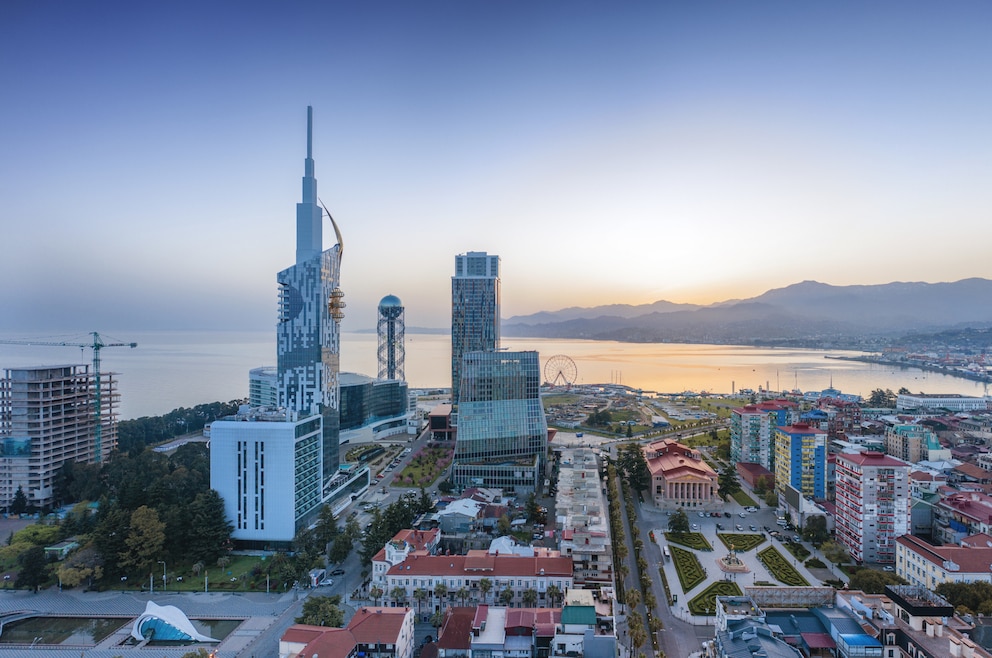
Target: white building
933,402
268,471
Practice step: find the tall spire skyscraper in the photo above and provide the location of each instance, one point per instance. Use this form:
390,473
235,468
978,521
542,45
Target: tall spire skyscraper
474,310
308,331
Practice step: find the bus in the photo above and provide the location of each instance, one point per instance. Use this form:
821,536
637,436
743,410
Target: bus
668,555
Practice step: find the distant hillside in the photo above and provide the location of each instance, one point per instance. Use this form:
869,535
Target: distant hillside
807,313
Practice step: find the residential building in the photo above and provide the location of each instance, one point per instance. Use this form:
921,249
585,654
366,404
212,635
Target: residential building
960,514
461,574
587,626
391,331
925,565
914,443
680,477
752,430
872,504
47,419
402,546
373,632
931,402
502,433
801,459
582,511
475,303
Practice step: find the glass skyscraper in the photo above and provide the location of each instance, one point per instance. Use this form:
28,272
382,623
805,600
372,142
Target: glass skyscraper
502,437
308,332
474,310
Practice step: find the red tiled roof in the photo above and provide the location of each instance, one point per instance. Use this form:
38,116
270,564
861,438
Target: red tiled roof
870,458
377,624
973,471
325,642
456,631
969,559
502,565
818,640
543,619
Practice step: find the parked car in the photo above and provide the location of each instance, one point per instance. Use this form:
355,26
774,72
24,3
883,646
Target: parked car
743,515
796,538
888,567
719,526
739,527
727,514
337,572
753,528
702,515
695,526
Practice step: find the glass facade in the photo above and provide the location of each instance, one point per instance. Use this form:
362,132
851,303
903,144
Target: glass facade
474,310
371,400
502,434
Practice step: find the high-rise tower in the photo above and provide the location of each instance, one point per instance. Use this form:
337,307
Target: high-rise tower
474,310
308,332
391,330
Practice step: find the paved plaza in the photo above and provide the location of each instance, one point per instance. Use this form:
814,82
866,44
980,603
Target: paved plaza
261,613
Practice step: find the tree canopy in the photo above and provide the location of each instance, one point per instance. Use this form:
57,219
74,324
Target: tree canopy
322,611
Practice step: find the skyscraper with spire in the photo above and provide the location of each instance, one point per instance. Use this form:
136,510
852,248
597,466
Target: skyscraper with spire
308,330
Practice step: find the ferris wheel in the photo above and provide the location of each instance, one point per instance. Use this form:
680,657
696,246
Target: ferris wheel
560,370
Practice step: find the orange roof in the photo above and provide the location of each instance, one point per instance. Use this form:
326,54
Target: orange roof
972,559
456,632
371,625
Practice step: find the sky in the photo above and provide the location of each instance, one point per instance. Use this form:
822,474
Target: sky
151,153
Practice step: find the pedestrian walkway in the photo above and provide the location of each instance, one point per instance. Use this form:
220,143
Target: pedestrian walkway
258,611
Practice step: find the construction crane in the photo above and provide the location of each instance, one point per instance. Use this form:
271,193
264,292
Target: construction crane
96,346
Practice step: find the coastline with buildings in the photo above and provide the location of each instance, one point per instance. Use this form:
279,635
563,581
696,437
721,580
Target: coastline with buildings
977,370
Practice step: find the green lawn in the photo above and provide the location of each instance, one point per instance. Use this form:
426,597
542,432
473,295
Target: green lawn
744,499
425,467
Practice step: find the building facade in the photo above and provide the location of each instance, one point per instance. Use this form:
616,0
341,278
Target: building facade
582,511
873,505
925,565
380,407
268,471
680,477
939,401
801,459
391,330
502,432
914,443
475,293
47,419
308,333
263,387
752,430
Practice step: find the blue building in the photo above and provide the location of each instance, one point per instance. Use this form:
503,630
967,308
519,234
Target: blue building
801,459
502,433
308,332
474,310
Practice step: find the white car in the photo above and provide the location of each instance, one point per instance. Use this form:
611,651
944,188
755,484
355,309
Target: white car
702,515
743,515
695,526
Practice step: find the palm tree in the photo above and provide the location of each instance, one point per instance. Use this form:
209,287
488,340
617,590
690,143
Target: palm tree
462,594
530,597
506,596
376,593
398,594
419,595
553,593
440,591
484,586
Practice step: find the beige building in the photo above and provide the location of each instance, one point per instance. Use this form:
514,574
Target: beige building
680,477
926,565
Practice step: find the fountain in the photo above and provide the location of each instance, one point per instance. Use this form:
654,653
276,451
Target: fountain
730,563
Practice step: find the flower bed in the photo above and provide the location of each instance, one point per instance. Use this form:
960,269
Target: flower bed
741,542
692,540
780,568
705,602
688,568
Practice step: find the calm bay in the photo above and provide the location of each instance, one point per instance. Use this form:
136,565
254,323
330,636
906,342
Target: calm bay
182,369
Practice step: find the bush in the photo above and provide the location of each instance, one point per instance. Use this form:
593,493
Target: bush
741,542
705,602
692,540
687,566
780,568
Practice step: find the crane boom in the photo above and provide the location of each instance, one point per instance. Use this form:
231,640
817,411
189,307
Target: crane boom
96,346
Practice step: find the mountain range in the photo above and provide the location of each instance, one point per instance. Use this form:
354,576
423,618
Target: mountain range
808,314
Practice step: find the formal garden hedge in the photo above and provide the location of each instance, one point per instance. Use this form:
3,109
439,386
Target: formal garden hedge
693,540
798,550
741,542
687,566
780,568
705,602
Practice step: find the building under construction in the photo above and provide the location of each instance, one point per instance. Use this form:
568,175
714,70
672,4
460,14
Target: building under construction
49,416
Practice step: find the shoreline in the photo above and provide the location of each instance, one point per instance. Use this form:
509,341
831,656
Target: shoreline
951,372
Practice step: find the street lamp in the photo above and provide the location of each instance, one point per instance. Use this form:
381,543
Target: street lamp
162,562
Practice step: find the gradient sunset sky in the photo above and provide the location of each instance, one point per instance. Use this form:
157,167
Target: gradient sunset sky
151,153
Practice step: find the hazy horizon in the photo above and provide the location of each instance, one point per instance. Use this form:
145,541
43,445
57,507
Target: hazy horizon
692,153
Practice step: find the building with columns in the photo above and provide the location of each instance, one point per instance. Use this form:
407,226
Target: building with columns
680,477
